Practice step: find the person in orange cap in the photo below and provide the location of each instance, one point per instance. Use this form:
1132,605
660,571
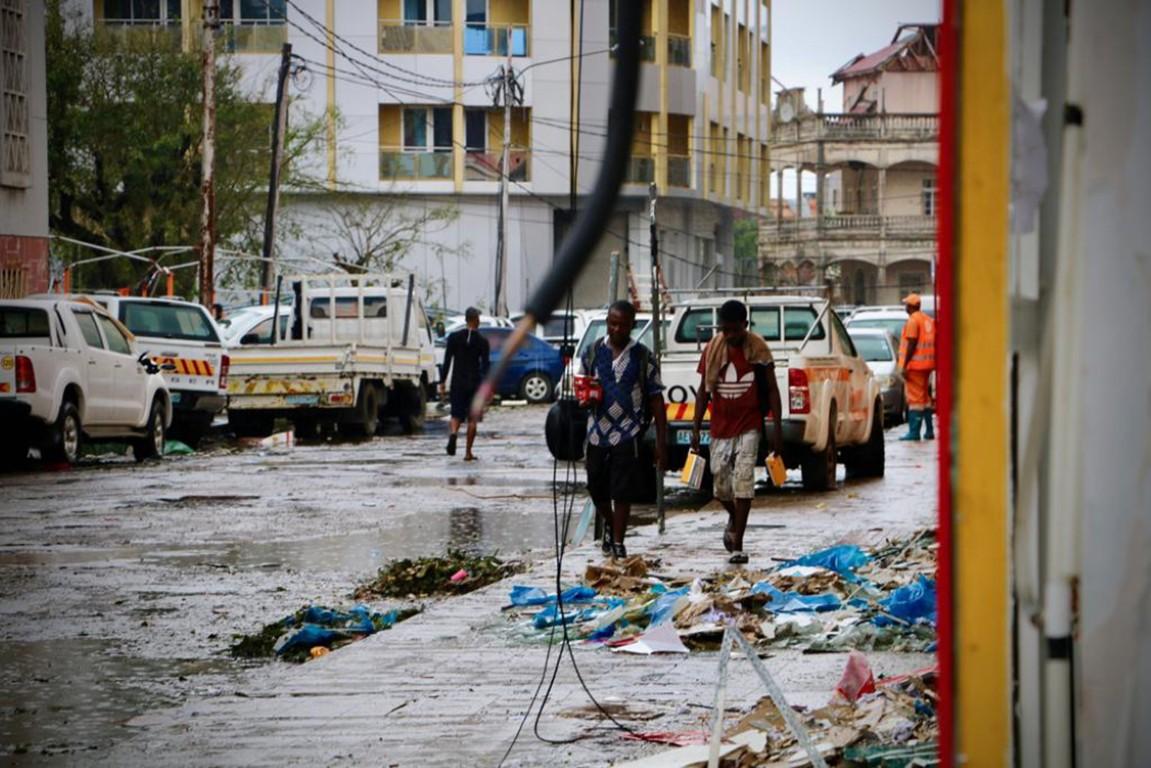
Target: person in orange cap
916,364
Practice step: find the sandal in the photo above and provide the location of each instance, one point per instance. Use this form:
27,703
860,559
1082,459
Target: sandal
618,551
737,558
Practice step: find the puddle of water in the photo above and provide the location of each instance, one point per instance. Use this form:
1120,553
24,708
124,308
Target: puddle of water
69,696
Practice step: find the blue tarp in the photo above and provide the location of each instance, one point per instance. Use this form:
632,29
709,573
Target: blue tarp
660,609
843,559
793,602
522,595
913,603
323,626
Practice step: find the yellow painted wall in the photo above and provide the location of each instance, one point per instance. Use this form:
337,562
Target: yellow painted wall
641,144
509,12
521,128
714,160
980,463
391,126
717,40
765,76
389,10
743,41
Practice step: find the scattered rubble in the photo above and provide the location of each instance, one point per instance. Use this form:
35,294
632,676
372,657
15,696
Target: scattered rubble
832,600
315,630
453,574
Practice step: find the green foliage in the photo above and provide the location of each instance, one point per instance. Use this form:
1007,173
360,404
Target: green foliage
747,249
432,576
124,132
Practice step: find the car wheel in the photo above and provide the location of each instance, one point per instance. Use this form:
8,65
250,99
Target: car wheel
413,407
819,468
151,445
367,418
65,435
536,387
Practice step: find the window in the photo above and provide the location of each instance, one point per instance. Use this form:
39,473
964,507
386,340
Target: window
262,333
20,323
929,193
841,334
873,349
797,321
422,124
477,11
141,11
15,153
88,328
698,325
117,342
765,322
348,307
476,130
258,11
432,12
168,321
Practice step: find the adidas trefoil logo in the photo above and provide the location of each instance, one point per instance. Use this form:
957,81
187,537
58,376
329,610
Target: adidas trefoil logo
732,386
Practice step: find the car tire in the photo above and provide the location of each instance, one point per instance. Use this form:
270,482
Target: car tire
151,445
869,460
65,435
367,417
819,468
536,387
413,407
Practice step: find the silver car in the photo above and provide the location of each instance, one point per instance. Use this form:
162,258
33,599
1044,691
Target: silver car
880,351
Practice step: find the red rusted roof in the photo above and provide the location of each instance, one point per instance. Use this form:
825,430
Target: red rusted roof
908,47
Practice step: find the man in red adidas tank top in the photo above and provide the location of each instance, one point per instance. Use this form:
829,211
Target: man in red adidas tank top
737,379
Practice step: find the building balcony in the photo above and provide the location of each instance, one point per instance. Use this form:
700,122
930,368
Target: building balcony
141,32
851,127
867,227
247,37
641,170
396,163
402,37
485,166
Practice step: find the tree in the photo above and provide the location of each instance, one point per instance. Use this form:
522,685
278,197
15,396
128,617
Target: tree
124,119
747,250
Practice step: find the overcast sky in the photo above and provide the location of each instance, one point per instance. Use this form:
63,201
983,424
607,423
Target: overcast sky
812,38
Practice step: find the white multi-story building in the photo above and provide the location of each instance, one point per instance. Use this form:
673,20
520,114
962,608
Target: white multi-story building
411,120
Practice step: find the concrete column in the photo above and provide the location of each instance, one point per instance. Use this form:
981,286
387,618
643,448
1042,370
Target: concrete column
459,130
659,19
778,199
880,208
798,192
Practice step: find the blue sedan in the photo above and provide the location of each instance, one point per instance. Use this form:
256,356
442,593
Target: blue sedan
533,372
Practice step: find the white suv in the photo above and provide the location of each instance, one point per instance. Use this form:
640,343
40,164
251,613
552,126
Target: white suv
69,371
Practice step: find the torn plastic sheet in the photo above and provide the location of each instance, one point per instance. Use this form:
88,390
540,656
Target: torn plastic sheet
842,558
912,603
793,602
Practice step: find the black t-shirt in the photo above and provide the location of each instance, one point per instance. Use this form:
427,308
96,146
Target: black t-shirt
471,355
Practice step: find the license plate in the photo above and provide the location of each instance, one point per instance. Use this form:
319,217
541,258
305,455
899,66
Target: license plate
175,396
302,399
683,437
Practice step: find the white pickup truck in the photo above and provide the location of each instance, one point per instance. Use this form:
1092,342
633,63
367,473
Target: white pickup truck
357,347
832,405
69,372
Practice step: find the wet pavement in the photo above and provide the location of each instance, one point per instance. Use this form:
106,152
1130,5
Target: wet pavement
122,586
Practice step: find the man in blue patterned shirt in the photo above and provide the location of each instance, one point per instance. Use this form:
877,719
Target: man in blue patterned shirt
632,397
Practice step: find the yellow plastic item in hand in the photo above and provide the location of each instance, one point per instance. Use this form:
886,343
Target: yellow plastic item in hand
692,474
776,470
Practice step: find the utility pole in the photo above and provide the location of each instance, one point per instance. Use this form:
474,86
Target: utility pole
613,279
657,329
509,77
208,156
279,127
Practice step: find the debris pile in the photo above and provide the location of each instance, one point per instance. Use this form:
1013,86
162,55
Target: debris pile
315,630
895,724
453,574
832,600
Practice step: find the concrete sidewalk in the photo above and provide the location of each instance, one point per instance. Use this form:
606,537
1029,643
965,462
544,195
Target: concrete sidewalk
450,686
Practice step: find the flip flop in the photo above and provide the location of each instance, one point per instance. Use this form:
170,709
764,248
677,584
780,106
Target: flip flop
738,558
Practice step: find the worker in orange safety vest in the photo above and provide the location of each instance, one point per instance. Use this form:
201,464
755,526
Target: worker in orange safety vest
916,364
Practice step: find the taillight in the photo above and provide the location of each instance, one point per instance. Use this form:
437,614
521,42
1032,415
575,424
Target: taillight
799,395
225,362
25,375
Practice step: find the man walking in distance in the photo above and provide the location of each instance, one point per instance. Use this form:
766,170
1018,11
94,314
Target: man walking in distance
467,356
626,395
737,379
916,364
